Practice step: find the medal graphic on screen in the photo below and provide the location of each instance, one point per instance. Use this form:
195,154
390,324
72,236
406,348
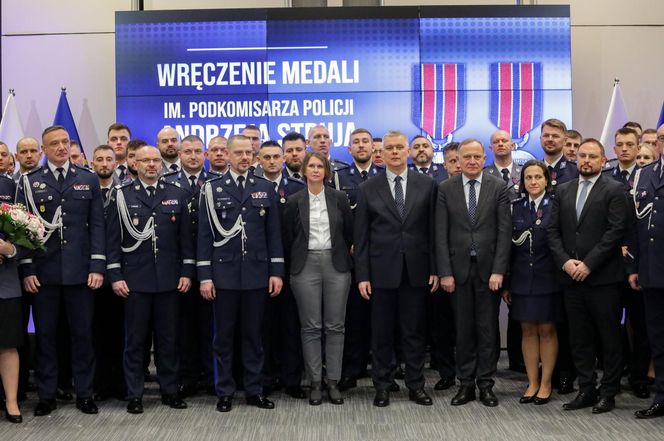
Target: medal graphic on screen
441,105
516,101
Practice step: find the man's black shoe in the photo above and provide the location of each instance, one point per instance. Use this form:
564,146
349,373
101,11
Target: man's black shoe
382,398
420,397
464,395
655,410
583,399
487,397
45,407
444,383
565,386
135,406
173,401
260,401
605,404
641,391
87,405
347,383
296,392
225,404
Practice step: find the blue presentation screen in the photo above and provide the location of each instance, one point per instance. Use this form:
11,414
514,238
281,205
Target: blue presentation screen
449,73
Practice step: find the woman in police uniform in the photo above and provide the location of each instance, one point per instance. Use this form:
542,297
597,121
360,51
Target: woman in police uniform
534,293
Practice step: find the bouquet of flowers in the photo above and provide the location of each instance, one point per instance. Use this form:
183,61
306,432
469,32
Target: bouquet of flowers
21,227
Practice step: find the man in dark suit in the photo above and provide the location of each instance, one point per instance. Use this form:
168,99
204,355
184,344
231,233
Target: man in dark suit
68,198
473,241
587,228
395,264
647,274
240,262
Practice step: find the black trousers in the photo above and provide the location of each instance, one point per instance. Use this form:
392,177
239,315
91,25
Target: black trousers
476,309
443,334
78,303
282,345
357,340
637,349
593,314
653,300
243,308
195,339
109,340
403,308
162,307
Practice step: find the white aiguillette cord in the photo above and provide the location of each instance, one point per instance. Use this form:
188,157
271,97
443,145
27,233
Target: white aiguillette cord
213,219
139,236
49,227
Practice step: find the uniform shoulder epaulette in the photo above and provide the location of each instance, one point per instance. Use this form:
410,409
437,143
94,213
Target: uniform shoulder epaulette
519,199
80,167
292,179
213,173
174,184
258,177
170,173
4,176
123,184
38,169
339,165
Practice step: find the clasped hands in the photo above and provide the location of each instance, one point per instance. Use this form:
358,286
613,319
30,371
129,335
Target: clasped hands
576,269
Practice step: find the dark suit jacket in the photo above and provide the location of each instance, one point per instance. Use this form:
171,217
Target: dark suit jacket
296,229
596,237
491,231
383,241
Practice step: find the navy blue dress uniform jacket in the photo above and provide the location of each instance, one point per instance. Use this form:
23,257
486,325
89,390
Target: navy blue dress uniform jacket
383,241
230,266
513,192
533,270
81,249
349,179
564,171
436,171
151,268
647,245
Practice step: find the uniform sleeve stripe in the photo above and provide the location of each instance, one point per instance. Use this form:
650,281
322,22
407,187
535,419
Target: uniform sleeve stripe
24,261
277,260
98,257
204,263
189,261
113,265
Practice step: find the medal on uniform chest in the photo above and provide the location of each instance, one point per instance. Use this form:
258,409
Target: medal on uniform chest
261,212
515,181
223,214
219,190
135,221
42,208
173,218
282,195
554,175
42,186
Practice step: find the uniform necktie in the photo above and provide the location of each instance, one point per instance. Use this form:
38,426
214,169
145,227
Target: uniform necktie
624,175
276,186
297,176
240,184
472,200
582,197
533,211
252,168
61,175
150,190
104,194
424,170
192,181
398,196
506,175
365,175
123,172
174,167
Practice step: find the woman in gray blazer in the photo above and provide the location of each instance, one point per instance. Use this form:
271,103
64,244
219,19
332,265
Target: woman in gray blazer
318,231
11,328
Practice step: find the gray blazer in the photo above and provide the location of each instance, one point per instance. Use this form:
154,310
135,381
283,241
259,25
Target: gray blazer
491,231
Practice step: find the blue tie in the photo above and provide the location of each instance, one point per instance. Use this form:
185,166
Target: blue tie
472,200
582,198
398,196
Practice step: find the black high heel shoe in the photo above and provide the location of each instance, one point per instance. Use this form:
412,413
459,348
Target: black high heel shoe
525,399
16,419
539,401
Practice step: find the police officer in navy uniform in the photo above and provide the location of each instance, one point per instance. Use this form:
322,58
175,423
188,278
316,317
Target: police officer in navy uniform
647,271
282,344
195,328
421,155
150,264
357,339
68,199
561,170
637,354
319,140
240,261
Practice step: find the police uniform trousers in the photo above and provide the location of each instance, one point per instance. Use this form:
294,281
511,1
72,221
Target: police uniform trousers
476,309
357,340
243,308
403,308
593,314
109,342
195,339
653,300
139,307
637,348
77,302
282,345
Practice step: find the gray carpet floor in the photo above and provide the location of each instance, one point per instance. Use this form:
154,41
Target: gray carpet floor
357,419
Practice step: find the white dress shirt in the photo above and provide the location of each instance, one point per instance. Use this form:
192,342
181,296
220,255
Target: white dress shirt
319,222
592,181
